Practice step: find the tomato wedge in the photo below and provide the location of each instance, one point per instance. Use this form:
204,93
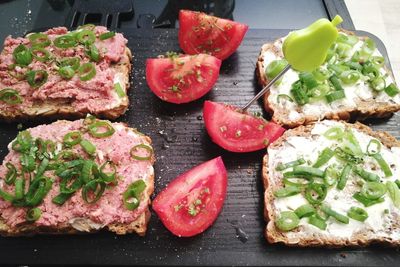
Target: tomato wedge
192,201
202,33
236,131
181,79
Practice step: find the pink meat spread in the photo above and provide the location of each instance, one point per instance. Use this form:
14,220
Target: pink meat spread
95,95
109,208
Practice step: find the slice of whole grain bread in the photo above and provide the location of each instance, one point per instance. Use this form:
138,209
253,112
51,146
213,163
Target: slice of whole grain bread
296,237
365,108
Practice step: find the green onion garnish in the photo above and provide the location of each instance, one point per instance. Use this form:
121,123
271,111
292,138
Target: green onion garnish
86,37
118,89
72,138
106,35
65,41
22,55
378,84
334,133
287,191
335,95
305,210
10,96
37,191
339,217
101,129
33,214
308,171
383,164
315,193
349,76
131,196
142,147
317,222
324,157
93,190
36,78
66,72
11,173
391,90
373,190
357,214
394,193
108,177
73,62
367,176
39,40
287,221
86,71
365,201
88,147
283,166
344,176
93,52
274,68
40,54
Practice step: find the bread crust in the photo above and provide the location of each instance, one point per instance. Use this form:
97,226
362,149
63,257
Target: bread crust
274,235
139,226
62,109
364,110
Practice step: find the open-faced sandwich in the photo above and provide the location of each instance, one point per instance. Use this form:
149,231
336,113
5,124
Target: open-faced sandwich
353,83
64,74
331,183
76,176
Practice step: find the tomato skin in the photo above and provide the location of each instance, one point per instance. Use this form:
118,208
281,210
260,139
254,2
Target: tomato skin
175,217
202,33
182,79
236,131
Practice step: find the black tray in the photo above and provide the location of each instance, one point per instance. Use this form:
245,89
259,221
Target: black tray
181,142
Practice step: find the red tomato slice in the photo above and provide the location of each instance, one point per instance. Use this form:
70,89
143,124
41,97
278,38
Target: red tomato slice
236,131
202,33
181,79
192,201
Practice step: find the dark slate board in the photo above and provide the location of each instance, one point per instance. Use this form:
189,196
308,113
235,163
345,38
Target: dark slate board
181,142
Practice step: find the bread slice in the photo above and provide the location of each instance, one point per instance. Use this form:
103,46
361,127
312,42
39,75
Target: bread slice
292,115
75,215
382,225
62,108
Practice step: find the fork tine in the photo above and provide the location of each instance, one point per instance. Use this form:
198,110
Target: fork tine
104,19
82,19
114,22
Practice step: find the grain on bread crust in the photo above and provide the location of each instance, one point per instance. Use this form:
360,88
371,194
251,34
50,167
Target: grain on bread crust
62,109
139,226
365,108
274,235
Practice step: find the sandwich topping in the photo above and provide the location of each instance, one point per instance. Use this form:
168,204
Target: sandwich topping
70,171
353,71
337,181
72,67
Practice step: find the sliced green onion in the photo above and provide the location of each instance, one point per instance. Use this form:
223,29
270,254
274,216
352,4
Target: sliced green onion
339,217
353,65
397,182
283,96
19,189
67,187
93,190
391,90
335,95
89,119
118,89
336,83
33,214
11,173
106,35
347,39
274,68
317,222
351,145
321,74
299,93
315,193
65,41
349,76
368,46
370,70
308,171
101,129
287,191
86,37
344,176
10,96
343,50
308,79
88,147
319,92
337,69
394,193
108,177
357,214
6,196
66,72
93,52
72,138
23,142
136,148
22,55
378,84
27,162
36,78
283,166
37,191
73,62
305,210
373,147
365,201
383,164
293,180
131,196
373,190
39,40
61,198
378,61
287,221
87,169
42,167
40,54
86,71
330,175
367,176
334,133
19,75
324,157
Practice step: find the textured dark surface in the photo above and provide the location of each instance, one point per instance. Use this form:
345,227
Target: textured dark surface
181,142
